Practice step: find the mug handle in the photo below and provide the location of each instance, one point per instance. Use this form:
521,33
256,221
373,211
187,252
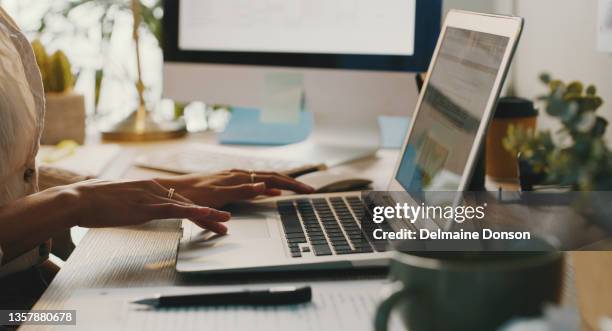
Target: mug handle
381,321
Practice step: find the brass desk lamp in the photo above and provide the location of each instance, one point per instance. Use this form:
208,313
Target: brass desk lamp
141,125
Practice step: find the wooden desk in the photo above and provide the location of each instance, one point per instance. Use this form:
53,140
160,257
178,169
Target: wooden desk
144,256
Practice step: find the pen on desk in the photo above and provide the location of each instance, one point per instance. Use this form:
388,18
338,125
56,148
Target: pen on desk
272,296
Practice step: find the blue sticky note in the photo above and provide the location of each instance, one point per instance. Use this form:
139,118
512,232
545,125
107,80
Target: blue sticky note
393,130
245,128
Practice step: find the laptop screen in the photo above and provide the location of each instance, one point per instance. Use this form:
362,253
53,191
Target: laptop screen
454,102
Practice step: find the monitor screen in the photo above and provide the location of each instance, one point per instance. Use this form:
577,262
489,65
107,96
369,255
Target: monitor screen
445,128
382,27
382,35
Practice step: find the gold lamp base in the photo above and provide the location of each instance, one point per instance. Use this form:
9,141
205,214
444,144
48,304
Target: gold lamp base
140,126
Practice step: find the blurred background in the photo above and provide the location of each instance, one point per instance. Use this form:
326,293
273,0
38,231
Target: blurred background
96,36
560,38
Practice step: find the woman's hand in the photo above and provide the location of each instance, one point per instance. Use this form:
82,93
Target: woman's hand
27,222
108,204
221,189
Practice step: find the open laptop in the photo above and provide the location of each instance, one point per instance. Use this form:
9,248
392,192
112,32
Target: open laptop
323,232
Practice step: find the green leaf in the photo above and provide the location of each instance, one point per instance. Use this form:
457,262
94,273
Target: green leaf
556,86
545,78
599,128
590,103
586,122
591,90
575,88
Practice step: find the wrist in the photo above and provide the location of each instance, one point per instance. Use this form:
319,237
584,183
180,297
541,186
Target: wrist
69,202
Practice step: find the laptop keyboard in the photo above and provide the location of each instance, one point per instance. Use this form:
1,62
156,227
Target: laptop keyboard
328,226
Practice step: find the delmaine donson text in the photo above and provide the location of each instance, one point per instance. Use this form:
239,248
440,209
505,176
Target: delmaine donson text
458,214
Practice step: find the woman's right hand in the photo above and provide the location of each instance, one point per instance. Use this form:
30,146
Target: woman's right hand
121,203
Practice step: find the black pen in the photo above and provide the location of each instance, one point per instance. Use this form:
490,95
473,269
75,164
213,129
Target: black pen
272,296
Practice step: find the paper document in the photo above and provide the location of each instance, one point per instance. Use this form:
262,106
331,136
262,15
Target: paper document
343,305
605,26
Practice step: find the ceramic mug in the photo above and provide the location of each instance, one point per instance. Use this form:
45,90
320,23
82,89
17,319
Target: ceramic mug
459,291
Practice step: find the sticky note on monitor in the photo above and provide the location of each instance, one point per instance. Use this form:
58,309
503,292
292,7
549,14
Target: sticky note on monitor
282,97
244,128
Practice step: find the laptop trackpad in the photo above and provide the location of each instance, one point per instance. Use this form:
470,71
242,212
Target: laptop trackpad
239,227
247,227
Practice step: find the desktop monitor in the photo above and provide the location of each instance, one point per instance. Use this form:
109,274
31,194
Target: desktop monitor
356,57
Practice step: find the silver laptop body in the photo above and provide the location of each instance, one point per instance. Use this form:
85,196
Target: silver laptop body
322,232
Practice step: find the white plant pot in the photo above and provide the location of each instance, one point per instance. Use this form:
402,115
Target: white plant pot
64,118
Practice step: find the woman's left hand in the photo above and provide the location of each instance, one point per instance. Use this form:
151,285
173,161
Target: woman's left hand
235,185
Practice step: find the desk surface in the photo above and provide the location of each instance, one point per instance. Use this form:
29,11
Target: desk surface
144,256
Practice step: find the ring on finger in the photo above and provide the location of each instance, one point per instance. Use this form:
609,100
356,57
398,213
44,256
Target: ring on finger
171,193
252,173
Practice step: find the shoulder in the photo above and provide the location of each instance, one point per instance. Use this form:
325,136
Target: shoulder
19,56
21,99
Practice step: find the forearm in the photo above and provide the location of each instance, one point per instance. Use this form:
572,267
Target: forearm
51,177
30,221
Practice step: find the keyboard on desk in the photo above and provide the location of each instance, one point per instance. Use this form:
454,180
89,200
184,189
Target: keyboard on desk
329,226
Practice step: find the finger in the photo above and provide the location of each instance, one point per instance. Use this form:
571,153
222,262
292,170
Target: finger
165,192
273,192
204,217
241,192
177,210
176,199
153,186
268,173
211,220
275,181
211,225
180,198
283,183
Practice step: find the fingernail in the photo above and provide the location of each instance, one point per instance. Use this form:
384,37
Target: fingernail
222,229
260,186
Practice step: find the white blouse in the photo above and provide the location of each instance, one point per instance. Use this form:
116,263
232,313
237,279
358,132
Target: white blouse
21,120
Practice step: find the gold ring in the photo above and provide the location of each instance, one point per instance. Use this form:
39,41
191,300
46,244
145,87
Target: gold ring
170,193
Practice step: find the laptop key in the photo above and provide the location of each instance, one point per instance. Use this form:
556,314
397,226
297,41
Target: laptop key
364,249
321,250
296,240
318,242
342,248
296,235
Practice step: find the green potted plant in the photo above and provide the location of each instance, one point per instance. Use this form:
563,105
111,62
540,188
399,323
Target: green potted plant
576,156
65,109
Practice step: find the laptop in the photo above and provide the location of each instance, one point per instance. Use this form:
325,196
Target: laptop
326,231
